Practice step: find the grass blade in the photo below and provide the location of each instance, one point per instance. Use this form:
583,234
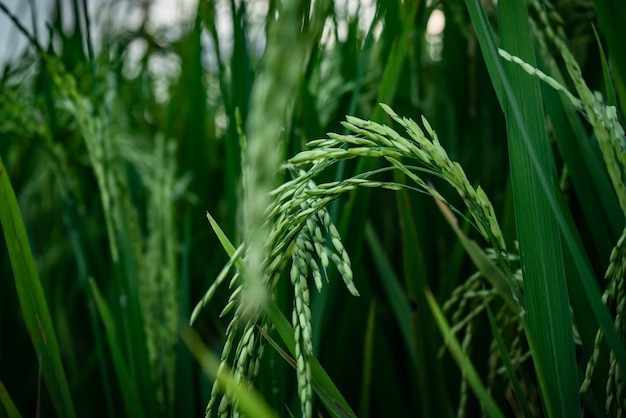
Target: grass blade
32,298
430,375
611,16
394,292
504,355
545,286
7,402
489,406
570,236
368,358
128,388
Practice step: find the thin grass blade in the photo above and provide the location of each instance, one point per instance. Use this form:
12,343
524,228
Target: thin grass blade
32,298
393,291
545,286
128,388
368,359
611,16
504,355
489,406
7,402
570,236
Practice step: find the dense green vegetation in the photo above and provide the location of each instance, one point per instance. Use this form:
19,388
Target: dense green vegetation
357,212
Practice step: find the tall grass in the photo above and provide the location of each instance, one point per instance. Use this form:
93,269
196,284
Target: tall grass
398,222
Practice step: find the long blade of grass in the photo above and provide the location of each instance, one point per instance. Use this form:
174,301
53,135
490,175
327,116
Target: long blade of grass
612,15
586,170
611,98
368,359
504,355
7,402
464,363
32,298
128,388
545,286
393,291
430,374
570,236
598,202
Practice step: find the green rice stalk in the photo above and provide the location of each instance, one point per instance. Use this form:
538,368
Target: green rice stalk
128,386
487,403
155,287
498,351
549,329
32,299
368,359
603,118
159,301
6,401
324,387
463,391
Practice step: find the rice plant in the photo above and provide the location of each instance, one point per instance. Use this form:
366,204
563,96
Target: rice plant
362,208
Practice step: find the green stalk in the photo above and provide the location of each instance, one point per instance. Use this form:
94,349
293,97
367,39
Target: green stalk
548,316
32,299
6,401
470,375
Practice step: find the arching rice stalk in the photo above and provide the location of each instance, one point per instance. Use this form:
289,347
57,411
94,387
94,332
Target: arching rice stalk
301,232
301,321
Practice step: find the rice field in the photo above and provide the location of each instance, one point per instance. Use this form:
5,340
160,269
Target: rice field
334,208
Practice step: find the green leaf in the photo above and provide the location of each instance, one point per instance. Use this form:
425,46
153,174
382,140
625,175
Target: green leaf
611,16
128,387
8,404
545,287
368,359
464,363
395,294
504,355
571,237
32,299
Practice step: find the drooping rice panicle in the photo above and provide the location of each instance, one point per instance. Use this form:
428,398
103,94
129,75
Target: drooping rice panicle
301,321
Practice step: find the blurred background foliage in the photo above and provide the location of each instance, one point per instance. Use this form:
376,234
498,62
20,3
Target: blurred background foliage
123,137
